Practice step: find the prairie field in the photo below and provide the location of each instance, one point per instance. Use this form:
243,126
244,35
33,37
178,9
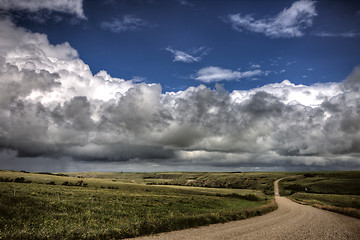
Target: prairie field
117,205
335,191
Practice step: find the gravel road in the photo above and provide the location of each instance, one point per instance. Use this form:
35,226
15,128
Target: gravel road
289,221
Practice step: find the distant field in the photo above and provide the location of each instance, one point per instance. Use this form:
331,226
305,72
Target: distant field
334,191
261,181
119,205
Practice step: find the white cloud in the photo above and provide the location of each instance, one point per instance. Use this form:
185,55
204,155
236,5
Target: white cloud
217,74
291,22
289,93
351,34
52,106
125,24
29,51
255,66
188,57
64,6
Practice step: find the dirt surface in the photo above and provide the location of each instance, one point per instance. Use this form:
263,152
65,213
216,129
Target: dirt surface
289,221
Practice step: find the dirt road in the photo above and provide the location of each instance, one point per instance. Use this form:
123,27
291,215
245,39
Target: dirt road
289,221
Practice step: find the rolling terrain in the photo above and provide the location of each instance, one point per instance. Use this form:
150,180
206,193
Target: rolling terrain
335,191
97,205
114,205
289,221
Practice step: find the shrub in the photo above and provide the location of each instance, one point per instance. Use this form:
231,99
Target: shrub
295,187
5,179
249,197
309,175
19,180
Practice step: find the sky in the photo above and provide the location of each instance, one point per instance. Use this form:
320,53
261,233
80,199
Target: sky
179,85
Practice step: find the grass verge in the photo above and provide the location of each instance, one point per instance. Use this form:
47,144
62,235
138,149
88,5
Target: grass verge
344,204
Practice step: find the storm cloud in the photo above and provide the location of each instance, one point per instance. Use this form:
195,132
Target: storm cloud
52,106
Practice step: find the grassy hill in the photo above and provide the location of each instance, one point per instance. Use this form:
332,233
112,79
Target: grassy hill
335,191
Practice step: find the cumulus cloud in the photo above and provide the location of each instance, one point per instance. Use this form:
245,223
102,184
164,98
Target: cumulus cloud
217,74
65,6
188,57
125,24
53,107
291,22
290,93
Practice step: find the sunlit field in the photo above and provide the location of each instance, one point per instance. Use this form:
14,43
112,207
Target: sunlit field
99,205
56,206
334,191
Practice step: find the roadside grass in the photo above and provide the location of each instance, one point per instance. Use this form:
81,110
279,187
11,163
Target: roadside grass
39,206
334,191
344,204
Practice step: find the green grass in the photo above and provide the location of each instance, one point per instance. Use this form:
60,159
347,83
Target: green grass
119,205
101,208
335,191
347,201
262,181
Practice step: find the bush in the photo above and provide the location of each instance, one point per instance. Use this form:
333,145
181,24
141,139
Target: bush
296,188
19,180
5,179
249,197
309,175
80,183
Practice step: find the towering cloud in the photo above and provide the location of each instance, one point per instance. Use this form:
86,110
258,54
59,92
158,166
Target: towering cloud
52,105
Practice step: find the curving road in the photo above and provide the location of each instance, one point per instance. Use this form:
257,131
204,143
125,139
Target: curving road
289,221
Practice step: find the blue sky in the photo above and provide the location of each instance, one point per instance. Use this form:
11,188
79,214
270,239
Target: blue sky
325,50
150,85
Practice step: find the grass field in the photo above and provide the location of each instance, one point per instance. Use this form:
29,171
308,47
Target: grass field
334,191
262,181
116,205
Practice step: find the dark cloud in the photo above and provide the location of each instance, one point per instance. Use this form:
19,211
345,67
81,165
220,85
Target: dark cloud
74,7
77,113
120,152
